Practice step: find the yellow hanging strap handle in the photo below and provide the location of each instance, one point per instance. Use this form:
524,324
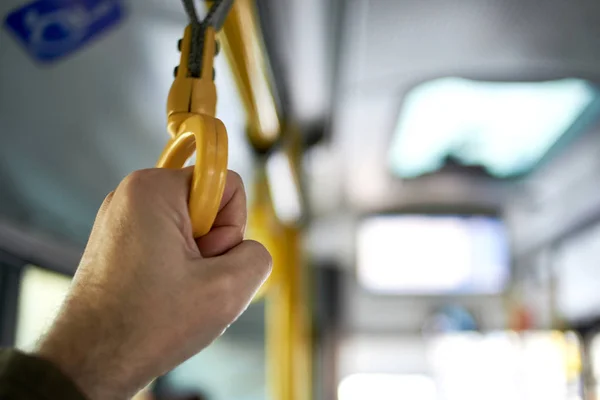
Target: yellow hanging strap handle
191,121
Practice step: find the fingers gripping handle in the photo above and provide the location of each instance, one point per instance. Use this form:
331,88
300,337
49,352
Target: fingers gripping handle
208,137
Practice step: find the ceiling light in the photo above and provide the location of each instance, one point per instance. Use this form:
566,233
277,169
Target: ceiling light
506,127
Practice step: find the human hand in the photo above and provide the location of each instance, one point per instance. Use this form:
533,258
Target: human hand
146,295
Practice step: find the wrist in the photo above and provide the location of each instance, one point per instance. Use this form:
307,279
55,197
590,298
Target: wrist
89,369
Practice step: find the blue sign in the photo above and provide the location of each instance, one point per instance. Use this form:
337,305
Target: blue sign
51,29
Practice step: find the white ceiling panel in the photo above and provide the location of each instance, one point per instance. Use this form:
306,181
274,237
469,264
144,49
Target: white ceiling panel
391,43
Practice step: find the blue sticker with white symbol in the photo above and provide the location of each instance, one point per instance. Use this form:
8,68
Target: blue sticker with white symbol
51,29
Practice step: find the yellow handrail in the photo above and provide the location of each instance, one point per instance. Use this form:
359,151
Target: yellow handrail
244,47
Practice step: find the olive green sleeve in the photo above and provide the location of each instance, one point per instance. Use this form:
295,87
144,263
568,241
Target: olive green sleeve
26,377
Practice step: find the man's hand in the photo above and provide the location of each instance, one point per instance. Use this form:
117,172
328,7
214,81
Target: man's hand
146,295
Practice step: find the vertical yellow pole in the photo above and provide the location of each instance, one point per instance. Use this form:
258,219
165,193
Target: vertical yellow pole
301,332
288,323
287,301
301,337
264,226
279,329
290,307
288,329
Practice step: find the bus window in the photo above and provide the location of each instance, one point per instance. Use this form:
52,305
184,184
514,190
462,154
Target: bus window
41,294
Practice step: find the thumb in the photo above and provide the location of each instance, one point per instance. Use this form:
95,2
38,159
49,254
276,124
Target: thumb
240,273
249,263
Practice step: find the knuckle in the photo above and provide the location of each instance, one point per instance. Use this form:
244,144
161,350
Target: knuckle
230,311
137,178
106,203
138,182
263,259
226,284
107,200
235,178
227,290
109,197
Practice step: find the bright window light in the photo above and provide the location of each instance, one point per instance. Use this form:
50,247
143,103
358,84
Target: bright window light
284,189
429,254
595,361
42,293
387,387
506,127
506,365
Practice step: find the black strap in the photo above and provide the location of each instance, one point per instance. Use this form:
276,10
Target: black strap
195,60
27,377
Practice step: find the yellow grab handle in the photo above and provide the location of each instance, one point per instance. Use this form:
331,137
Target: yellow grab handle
210,172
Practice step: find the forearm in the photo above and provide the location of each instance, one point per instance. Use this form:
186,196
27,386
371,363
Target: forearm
87,345
27,377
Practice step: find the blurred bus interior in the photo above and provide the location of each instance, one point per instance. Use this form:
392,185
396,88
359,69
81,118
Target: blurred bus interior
432,190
